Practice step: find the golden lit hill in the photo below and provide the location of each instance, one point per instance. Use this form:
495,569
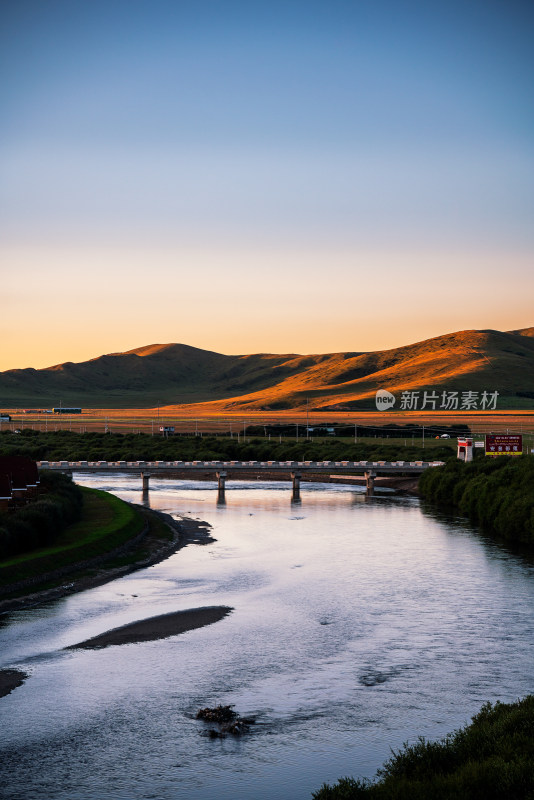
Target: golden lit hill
176,374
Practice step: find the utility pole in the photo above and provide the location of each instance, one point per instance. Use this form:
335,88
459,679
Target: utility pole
307,418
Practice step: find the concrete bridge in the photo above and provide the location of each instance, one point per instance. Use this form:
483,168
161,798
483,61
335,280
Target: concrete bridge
296,471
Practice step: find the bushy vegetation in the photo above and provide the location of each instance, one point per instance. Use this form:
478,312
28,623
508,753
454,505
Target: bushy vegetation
39,523
497,493
490,759
132,447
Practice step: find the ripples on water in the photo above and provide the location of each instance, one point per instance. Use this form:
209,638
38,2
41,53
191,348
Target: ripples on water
358,624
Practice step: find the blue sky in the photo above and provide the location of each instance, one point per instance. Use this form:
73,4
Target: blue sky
262,166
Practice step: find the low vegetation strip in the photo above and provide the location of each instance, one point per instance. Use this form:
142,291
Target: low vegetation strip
106,523
492,758
497,493
70,446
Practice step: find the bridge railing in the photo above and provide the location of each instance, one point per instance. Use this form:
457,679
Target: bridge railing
321,466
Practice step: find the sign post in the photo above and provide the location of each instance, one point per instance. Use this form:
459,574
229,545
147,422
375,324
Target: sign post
504,444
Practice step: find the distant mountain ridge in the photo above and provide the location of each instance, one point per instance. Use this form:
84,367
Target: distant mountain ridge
178,374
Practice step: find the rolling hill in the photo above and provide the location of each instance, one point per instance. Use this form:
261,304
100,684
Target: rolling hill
177,374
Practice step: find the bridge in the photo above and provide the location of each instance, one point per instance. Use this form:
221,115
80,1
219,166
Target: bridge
296,471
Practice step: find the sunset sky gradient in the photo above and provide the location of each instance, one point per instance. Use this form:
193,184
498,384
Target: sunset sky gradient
262,177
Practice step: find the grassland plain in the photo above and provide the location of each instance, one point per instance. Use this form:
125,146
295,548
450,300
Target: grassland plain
490,759
202,420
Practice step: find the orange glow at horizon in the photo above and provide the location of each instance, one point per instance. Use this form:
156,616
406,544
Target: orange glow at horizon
74,304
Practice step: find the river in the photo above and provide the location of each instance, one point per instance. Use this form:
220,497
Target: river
358,624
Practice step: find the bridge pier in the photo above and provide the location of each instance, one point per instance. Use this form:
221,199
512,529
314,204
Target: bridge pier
221,485
296,476
370,476
145,477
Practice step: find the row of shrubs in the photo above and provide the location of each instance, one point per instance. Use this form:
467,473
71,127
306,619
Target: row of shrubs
497,493
39,523
133,447
490,759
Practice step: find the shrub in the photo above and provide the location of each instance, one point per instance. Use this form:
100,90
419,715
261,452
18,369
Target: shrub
38,524
491,758
497,493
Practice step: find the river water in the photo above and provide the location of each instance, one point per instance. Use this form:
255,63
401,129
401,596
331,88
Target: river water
358,624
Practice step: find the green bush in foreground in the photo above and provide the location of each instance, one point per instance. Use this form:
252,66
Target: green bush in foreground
490,759
497,493
41,522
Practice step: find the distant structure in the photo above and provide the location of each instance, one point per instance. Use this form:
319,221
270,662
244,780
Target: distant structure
465,449
19,479
166,430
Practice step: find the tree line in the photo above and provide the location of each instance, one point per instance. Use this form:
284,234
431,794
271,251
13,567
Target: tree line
497,493
72,446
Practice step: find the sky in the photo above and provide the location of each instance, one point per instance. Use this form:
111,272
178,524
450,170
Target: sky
262,177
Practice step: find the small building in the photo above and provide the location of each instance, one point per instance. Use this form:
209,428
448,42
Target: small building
23,476
166,430
5,491
465,449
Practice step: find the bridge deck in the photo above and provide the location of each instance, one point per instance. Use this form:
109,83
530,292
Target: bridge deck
235,468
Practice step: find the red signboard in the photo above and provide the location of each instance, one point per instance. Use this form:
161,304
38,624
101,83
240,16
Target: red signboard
504,444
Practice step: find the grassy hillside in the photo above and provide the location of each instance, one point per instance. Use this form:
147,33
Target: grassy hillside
176,374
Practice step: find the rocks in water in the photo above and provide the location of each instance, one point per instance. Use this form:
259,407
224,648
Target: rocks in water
228,721
218,714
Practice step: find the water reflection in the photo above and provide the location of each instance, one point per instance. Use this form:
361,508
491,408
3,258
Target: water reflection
359,623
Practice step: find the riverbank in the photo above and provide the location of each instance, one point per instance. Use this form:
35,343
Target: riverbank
164,536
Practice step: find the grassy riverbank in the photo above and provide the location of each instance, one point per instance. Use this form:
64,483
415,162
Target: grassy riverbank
106,524
496,493
492,758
